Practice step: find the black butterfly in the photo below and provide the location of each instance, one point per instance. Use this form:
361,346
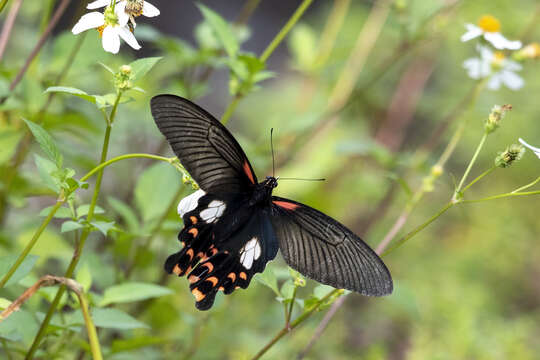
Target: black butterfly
234,226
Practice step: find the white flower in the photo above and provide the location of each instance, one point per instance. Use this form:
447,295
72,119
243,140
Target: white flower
488,27
112,25
496,66
535,150
133,8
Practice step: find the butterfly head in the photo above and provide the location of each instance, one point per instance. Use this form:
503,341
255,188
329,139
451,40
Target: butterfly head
270,182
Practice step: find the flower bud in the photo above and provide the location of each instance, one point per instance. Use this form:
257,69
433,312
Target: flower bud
512,153
495,117
122,79
531,51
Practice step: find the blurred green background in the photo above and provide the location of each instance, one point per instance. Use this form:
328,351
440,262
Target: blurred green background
467,287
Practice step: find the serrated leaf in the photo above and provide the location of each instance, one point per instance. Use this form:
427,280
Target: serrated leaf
70,225
115,319
45,168
222,29
140,67
72,91
155,188
268,278
83,210
61,213
103,226
46,142
133,291
6,262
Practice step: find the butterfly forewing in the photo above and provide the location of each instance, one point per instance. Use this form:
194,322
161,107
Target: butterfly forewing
204,146
325,250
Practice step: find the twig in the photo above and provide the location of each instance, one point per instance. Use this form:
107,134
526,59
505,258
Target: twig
8,25
54,20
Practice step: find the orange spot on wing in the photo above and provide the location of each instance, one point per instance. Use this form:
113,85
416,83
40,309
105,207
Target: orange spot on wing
209,266
198,295
190,253
247,170
213,280
193,219
193,232
193,279
232,276
221,288
286,205
177,270
243,275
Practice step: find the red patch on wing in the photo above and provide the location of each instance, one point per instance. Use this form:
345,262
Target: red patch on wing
286,205
247,170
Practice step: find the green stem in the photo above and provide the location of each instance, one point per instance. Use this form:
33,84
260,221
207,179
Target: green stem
285,30
418,228
291,305
501,196
295,323
90,328
478,178
469,167
31,244
268,51
80,246
3,4
230,109
527,186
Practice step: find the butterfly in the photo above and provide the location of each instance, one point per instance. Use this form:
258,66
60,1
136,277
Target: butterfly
233,225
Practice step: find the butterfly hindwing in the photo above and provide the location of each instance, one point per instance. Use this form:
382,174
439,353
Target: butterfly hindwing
225,242
204,146
325,250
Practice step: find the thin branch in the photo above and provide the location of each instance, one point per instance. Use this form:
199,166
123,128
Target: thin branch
8,25
54,20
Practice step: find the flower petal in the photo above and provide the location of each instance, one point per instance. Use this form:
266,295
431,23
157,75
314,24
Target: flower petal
511,65
88,21
500,42
98,4
473,31
110,39
149,10
128,37
512,80
120,10
473,66
495,82
535,150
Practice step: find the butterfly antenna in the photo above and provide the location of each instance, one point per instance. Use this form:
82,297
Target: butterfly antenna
321,179
272,148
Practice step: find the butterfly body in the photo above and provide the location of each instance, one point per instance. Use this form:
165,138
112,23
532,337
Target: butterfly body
234,225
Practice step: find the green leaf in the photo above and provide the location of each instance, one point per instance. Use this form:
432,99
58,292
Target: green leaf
70,226
322,290
6,262
61,213
140,67
287,290
83,210
115,319
268,278
4,303
45,168
84,277
103,226
46,142
127,214
133,291
222,29
303,45
72,91
154,190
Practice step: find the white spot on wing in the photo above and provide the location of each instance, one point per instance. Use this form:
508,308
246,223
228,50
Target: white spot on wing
250,252
213,212
190,202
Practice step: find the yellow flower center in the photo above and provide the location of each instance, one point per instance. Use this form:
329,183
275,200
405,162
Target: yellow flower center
489,23
498,57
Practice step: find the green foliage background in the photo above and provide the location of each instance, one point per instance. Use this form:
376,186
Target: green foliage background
467,287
